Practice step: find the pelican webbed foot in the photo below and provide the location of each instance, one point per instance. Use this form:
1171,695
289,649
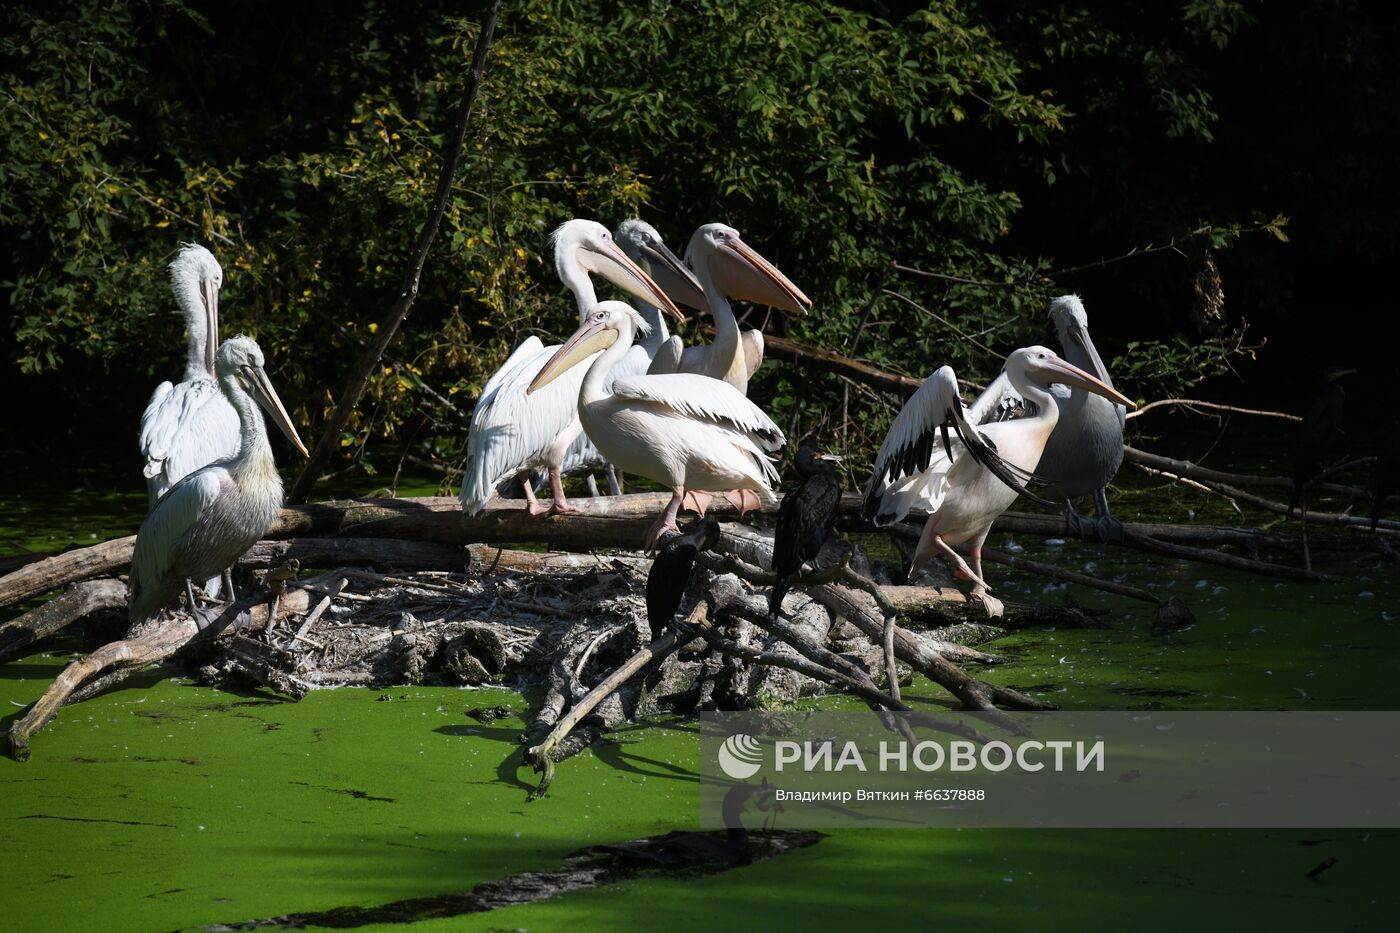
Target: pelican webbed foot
745,500
1109,530
1103,527
667,521
696,501
531,502
556,489
659,529
992,605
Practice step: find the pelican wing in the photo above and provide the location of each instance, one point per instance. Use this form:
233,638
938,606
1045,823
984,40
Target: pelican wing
528,350
984,450
185,427
913,462
999,402
168,523
512,431
751,342
909,446
695,396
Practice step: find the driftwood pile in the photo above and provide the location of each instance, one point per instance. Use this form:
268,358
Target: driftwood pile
417,594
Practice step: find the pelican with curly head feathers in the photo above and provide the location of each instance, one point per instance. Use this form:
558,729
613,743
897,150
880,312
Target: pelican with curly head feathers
190,424
727,267
513,433
965,486
210,518
1086,449
686,431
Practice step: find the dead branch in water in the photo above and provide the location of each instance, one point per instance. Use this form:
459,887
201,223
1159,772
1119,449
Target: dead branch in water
1189,470
1165,467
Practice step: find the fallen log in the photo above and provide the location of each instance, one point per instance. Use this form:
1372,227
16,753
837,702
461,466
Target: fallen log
604,522
81,599
350,552
158,641
37,578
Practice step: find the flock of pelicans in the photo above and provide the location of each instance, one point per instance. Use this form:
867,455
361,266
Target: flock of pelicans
623,395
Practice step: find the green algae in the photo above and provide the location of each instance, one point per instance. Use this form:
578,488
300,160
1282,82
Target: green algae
167,805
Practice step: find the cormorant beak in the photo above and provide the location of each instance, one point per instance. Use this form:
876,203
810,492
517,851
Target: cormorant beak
1071,375
260,387
608,260
675,277
590,338
823,455
745,274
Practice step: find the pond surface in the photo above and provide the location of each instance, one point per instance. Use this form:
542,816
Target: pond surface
167,805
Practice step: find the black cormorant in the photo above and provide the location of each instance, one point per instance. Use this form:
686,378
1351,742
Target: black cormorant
805,518
1317,434
670,572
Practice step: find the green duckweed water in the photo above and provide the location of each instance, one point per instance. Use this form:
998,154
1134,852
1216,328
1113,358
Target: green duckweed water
167,805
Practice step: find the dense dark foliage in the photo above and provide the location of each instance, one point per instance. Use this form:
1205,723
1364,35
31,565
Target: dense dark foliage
991,142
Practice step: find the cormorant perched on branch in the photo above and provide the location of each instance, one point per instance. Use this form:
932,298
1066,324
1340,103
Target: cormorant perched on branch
1317,434
805,518
670,572
1385,478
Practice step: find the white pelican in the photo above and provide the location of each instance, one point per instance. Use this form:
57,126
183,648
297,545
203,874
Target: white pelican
209,519
643,245
692,433
513,434
727,267
1086,448
188,425
966,486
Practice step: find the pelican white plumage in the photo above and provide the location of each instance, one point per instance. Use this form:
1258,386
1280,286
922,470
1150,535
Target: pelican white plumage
727,267
190,424
687,431
644,245
1086,448
210,518
514,434
965,486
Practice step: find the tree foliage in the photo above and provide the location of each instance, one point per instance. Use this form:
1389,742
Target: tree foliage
838,138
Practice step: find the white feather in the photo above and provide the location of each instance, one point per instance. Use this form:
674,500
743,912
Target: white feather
694,396
185,427
512,431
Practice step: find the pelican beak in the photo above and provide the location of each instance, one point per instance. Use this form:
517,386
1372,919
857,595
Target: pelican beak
1071,375
260,387
608,260
1080,337
211,320
744,274
586,341
675,277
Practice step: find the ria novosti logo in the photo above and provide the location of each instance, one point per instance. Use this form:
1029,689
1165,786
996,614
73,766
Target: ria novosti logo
740,756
